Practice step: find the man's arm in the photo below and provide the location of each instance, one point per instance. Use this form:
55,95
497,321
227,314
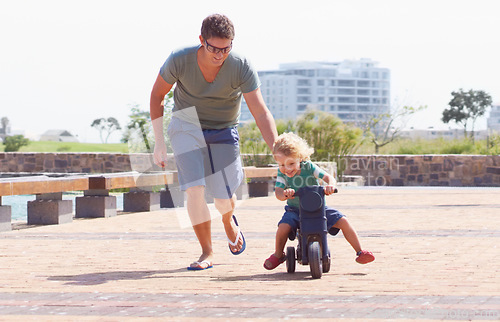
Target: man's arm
263,117
160,89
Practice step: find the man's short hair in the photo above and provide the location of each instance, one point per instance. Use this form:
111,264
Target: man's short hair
217,25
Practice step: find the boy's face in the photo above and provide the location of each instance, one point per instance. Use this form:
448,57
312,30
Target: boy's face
288,165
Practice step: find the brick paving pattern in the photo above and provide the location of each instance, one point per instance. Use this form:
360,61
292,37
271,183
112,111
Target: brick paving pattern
436,249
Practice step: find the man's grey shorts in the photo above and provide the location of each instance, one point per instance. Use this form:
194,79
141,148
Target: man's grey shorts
209,158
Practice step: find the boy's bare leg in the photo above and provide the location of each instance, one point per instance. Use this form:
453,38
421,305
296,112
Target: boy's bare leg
349,233
281,239
200,218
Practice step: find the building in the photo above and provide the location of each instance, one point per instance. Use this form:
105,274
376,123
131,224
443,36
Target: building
58,136
494,118
354,90
432,134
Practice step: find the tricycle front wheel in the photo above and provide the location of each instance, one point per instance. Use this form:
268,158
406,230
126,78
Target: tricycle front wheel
290,259
315,262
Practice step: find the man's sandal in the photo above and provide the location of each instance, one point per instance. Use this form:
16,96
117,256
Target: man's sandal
235,243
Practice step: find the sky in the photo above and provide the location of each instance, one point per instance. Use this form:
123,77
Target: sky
65,63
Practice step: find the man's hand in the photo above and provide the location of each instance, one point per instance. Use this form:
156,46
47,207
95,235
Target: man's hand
160,154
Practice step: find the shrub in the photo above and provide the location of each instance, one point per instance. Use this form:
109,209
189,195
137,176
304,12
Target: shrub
15,142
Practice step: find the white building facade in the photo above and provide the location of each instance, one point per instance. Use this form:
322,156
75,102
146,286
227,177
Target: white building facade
354,90
494,118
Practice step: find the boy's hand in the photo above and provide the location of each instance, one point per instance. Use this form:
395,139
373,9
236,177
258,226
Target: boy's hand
289,193
329,189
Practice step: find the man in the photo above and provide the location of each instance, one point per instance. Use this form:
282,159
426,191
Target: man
210,81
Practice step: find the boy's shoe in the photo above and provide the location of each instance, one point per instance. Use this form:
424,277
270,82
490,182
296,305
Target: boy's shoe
272,262
364,257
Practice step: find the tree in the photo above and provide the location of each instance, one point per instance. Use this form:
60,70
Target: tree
385,128
5,124
330,137
139,120
252,144
15,142
139,132
467,107
107,126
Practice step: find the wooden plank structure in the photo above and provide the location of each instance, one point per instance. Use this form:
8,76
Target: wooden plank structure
97,202
50,208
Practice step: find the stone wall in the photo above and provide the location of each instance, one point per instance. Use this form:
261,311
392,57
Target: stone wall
377,170
426,170
75,162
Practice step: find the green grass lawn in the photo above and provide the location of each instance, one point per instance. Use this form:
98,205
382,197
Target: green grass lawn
48,146
402,146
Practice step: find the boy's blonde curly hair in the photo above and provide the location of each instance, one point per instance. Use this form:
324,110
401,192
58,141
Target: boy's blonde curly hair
292,145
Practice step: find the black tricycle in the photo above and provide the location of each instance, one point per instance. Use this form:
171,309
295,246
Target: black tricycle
312,247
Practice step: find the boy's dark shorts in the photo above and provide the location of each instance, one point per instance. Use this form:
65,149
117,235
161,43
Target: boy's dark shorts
291,217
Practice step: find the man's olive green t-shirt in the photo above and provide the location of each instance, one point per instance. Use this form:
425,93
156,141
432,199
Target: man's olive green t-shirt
218,104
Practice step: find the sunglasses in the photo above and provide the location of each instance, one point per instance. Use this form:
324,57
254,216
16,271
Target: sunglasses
216,50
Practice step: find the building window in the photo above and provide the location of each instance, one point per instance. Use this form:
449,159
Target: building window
345,82
346,108
301,107
303,82
321,82
342,99
346,91
345,116
363,84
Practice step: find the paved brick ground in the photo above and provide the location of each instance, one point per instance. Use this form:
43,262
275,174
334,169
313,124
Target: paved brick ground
436,248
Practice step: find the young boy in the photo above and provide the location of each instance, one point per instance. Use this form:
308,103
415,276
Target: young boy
292,154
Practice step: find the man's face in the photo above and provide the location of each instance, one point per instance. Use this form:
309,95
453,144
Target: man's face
217,49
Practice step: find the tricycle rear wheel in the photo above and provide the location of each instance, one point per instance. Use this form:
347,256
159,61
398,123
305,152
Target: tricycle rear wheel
326,263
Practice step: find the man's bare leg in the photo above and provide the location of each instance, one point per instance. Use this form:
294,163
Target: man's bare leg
200,218
226,208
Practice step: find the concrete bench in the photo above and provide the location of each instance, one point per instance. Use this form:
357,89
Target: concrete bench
261,180
48,207
97,202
